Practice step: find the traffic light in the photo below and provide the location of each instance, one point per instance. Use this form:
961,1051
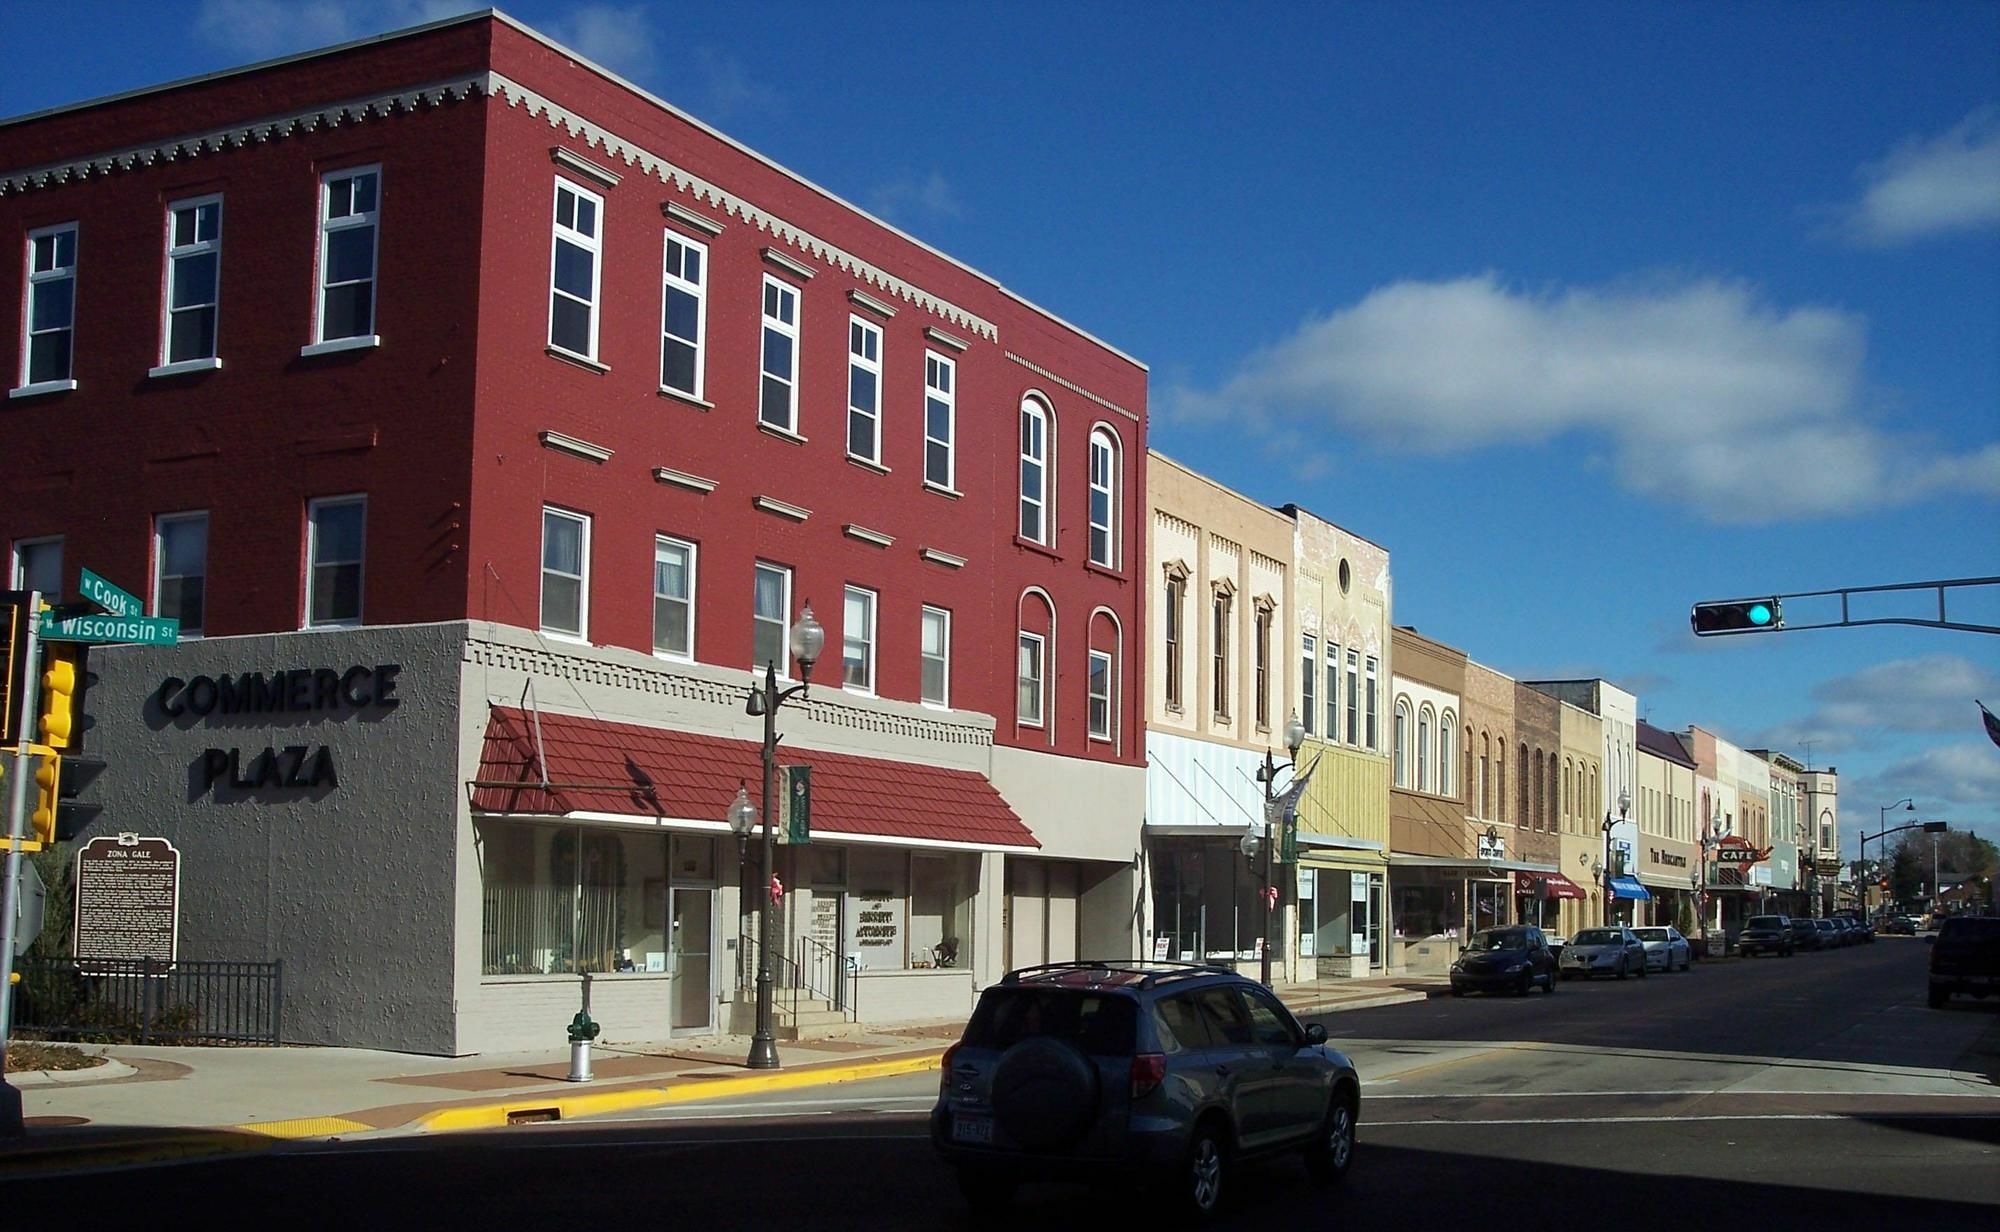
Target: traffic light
14,620
48,779
72,814
66,681
1936,827
1736,616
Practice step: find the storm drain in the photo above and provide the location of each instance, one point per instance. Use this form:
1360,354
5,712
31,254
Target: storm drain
531,1116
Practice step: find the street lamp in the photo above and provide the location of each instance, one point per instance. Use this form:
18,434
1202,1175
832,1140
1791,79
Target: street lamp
1267,774
1908,805
1624,807
806,639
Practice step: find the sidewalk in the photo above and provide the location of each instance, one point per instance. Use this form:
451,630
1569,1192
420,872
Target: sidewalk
156,1104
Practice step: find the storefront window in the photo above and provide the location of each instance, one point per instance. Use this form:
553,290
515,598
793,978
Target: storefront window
564,899
941,889
878,908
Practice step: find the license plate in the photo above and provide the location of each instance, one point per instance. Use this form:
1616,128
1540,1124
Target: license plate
977,1130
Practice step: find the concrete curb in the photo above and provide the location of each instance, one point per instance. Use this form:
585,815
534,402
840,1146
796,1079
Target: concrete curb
106,1072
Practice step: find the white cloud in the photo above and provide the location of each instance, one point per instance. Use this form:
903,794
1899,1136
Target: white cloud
729,88
1928,187
912,195
1704,394
1948,774
278,27
1930,694
620,39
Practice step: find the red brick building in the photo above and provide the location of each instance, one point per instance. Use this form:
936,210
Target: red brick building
452,328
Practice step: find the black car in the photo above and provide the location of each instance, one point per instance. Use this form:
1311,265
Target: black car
1767,934
1965,958
1504,960
1806,935
1169,1074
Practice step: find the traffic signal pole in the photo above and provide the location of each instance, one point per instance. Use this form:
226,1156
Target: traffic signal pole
11,1124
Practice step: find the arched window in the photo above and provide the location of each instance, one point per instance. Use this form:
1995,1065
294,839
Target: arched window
1035,651
1500,780
1447,751
1425,718
1104,498
1034,470
1101,678
1402,742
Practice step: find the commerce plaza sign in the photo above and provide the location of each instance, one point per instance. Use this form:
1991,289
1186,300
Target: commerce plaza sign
299,691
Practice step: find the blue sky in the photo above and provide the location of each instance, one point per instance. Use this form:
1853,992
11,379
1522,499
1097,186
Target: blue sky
1585,312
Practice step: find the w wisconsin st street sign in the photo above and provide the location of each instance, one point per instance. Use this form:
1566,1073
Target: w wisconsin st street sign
124,619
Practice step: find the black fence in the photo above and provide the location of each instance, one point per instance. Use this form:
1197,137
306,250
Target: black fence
142,1001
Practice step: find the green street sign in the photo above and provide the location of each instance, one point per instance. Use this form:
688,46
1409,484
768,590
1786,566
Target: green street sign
144,630
795,805
113,599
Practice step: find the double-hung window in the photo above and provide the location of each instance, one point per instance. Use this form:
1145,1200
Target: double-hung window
565,573
683,316
38,565
574,268
1219,646
1100,695
1035,472
1028,680
48,341
940,413
1262,651
935,687
1103,499
1373,742
336,530
349,218
673,597
180,568
1309,677
1333,692
194,277
1175,589
770,604
1353,695
857,640
864,391
778,400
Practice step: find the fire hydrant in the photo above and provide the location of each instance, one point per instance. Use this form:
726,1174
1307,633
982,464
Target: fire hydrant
581,1031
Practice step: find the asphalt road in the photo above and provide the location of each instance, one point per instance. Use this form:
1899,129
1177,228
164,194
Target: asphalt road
1813,1092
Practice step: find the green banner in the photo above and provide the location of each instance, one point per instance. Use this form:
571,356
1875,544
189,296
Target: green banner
794,805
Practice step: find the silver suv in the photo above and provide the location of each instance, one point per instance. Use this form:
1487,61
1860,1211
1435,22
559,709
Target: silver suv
1172,1070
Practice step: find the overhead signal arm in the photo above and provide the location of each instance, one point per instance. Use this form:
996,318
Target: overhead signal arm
1765,614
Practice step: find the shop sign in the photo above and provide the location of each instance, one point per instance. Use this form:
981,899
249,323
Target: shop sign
128,897
878,929
1667,858
1492,848
360,689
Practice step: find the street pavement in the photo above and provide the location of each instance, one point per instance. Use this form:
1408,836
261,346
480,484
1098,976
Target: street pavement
1811,1092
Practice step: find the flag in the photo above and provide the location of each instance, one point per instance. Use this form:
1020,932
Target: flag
1992,724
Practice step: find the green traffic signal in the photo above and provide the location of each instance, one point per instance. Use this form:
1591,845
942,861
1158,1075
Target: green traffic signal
1736,616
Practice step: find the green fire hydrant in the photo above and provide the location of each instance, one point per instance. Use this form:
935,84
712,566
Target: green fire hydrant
581,1031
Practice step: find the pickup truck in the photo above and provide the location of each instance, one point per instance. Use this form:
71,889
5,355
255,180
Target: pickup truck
1965,958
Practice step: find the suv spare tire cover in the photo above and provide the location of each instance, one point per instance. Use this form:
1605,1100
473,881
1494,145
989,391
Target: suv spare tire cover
1044,1093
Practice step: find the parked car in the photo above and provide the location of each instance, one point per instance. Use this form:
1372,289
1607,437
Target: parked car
1504,960
1168,1073
1604,951
1828,934
1900,926
1766,934
1806,934
1666,949
1965,958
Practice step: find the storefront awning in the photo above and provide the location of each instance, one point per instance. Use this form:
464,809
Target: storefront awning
1629,887
1470,863
629,771
1547,885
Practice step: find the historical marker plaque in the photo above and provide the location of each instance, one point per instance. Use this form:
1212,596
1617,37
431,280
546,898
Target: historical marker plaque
128,900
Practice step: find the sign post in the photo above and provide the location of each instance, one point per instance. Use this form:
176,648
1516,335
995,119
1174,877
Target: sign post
11,1124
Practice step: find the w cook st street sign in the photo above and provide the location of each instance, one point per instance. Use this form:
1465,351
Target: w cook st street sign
124,619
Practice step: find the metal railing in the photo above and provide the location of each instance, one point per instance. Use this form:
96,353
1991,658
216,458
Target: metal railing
826,976
145,1001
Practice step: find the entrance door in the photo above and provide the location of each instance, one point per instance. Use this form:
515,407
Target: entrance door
1376,891
692,951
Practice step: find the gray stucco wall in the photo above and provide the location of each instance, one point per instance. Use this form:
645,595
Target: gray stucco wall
351,885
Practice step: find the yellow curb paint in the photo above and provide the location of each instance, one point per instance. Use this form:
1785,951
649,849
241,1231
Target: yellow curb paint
493,1116
304,1127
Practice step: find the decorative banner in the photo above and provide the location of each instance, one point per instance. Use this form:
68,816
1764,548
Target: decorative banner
794,805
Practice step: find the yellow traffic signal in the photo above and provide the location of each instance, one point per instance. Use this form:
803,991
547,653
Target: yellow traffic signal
48,782
58,700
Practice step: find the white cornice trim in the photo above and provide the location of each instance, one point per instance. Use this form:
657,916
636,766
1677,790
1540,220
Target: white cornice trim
938,556
870,303
572,445
784,509
584,167
1072,386
798,269
700,222
681,479
943,339
854,530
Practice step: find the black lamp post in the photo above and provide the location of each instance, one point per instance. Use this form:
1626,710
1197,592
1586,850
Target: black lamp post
1909,805
1624,807
806,639
1267,774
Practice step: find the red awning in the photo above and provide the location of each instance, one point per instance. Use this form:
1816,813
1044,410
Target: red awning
1547,885
595,766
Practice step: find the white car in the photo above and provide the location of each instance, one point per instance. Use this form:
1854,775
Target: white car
1604,951
1666,949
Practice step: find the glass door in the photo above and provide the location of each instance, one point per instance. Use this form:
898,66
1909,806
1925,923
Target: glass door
692,952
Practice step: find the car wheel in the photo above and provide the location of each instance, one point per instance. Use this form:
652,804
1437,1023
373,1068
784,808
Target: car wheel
1621,968
1456,991
1199,1194
1526,982
985,1191
1644,968
1330,1154
1939,996
1550,986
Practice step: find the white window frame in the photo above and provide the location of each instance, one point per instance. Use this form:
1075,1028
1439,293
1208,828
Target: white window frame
1104,446
1351,705
865,638
1261,621
582,630
591,242
1176,635
941,387
372,219
672,280
1221,619
1093,698
860,331
177,254
1374,735
160,575
1309,682
1332,698
1447,758
670,542
34,278
18,572
313,562
1033,412
784,617
1401,740
1039,646
786,293
1426,724
942,658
